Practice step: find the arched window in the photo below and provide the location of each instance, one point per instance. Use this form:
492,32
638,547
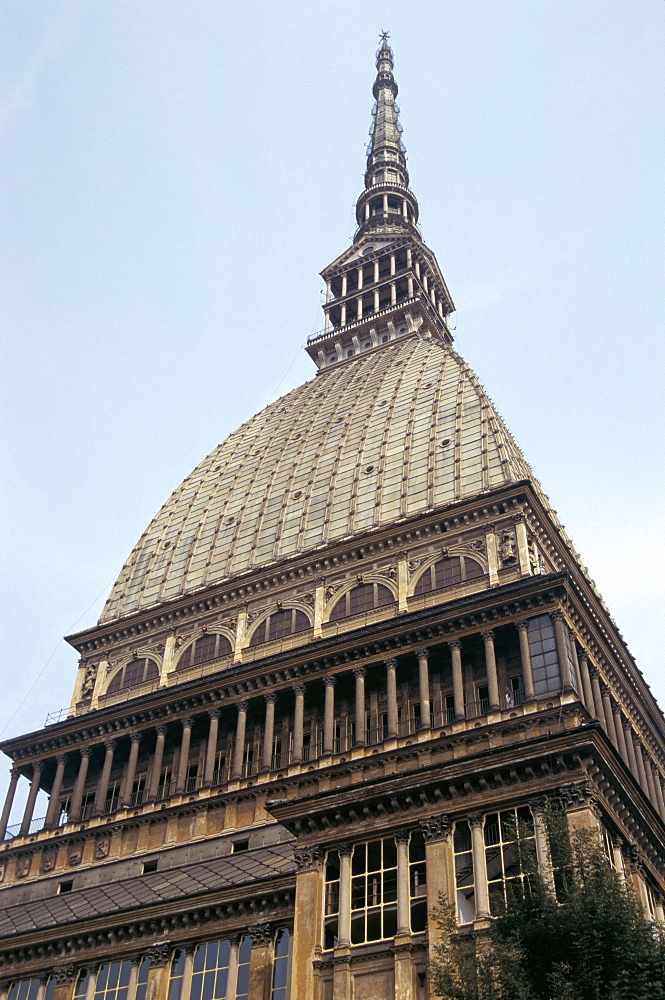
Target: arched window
136,671
206,647
279,624
446,572
366,597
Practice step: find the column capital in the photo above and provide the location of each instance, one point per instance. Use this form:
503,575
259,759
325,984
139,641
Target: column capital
475,819
160,954
435,828
557,615
109,745
190,947
65,974
188,722
161,729
360,671
454,644
85,752
345,850
488,635
522,625
261,934
38,767
214,713
391,662
61,758
135,738
538,803
299,689
235,939
422,653
329,680
242,706
308,859
270,698
402,836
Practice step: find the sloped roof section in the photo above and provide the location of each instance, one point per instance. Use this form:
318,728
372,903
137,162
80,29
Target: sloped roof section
146,890
391,433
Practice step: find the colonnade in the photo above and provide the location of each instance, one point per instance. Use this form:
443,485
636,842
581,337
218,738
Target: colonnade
579,675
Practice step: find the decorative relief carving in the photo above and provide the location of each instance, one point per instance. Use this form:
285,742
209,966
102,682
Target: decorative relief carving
102,847
478,544
252,616
89,679
391,572
49,859
75,854
507,548
580,796
308,859
415,563
435,828
308,599
65,974
23,863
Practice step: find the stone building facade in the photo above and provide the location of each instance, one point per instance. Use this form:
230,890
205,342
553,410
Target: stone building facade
351,649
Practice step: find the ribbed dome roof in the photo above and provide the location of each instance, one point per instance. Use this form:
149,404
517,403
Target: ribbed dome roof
389,434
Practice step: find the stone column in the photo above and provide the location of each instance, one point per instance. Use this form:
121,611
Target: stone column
458,678
562,649
440,875
103,785
639,757
159,973
307,921
630,747
344,926
232,975
260,964
32,798
54,800
618,729
650,782
585,677
329,716
525,655
157,759
542,842
403,890
609,718
134,966
239,745
476,822
598,698
391,688
79,785
188,969
126,797
617,857
423,689
268,731
659,793
9,801
360,673
183,759
91,985
298,723
492,676
211,748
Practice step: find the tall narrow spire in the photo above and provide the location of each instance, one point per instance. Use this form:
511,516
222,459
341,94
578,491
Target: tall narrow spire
386,204
387,284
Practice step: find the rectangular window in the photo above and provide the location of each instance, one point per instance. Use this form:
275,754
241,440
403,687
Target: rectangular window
417,882
138,791
280,969
374,891
244,956
164,789
219,772
211,969
510,855
192,779
112,796
464,874
113,981
331,901
544,660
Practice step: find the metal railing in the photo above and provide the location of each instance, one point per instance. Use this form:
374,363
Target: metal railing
58,716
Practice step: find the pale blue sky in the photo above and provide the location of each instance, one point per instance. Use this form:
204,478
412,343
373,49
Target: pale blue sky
174,175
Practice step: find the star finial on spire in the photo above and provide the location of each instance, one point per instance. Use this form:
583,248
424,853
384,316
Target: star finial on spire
384,36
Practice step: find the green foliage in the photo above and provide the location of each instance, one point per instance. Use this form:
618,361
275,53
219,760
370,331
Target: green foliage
580,935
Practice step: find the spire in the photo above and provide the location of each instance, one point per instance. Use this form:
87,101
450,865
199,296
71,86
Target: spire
386,205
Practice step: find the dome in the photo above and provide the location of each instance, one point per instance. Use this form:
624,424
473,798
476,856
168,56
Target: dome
388,435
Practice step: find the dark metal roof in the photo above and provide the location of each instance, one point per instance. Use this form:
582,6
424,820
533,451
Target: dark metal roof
147,890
